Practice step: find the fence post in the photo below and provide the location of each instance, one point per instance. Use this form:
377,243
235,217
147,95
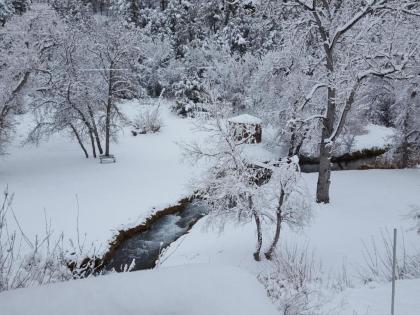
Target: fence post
394,262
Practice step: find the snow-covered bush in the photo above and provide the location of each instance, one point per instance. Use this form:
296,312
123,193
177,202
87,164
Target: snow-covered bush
236,189
294,282
147,121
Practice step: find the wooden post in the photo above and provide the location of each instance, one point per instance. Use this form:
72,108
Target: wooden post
394,262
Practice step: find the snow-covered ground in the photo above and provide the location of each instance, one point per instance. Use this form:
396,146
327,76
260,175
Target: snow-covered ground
204,266
375,137
149,173
364,204
186,290
375,299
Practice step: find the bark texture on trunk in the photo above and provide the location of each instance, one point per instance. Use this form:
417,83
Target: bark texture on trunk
95,130
279,220
92,141
257,254
79,140
325,150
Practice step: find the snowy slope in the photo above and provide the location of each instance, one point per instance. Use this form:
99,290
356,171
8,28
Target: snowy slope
149,172
187,290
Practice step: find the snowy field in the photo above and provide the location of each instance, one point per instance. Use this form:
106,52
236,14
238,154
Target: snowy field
51,177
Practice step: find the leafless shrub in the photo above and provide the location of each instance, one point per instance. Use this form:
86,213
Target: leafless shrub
378,261
26,261
294,284
148,120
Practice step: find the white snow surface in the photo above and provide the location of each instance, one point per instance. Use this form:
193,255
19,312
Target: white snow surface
245,119
364,205
376,299
375,137
148,176
186,290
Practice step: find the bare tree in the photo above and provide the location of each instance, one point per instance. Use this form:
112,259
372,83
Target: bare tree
113,50
340,37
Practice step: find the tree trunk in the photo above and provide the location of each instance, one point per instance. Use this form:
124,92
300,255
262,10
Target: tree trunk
279,219
95,130
79,139
323,185
257,254
92,141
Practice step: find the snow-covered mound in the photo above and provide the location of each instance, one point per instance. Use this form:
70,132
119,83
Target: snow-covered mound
186,290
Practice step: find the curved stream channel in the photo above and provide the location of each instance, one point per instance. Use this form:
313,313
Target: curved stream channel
145,246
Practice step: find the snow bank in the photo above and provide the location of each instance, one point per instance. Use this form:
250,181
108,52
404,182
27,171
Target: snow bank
187,290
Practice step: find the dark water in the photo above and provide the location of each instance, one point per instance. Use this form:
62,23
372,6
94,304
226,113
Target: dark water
342,166
145,247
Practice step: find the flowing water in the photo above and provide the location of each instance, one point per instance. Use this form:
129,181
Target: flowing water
144,248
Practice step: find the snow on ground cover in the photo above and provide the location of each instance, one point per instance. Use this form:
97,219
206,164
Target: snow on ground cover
364,205
376,299
375,137
186,290
149,173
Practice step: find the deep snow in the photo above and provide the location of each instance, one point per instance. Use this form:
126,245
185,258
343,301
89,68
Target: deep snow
186,290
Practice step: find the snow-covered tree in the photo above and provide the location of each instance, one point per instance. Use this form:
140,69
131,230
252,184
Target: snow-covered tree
407,122
128,9
18,62
350,42
239,189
